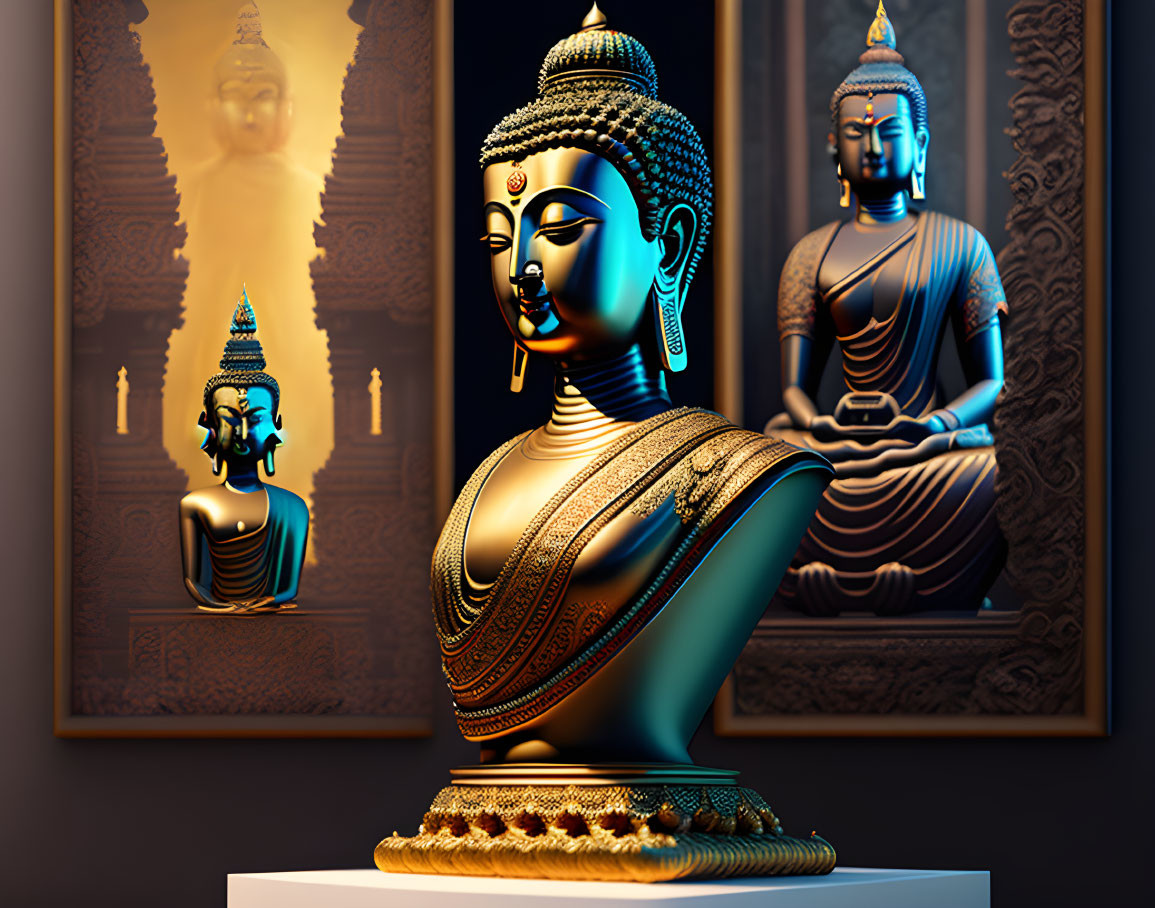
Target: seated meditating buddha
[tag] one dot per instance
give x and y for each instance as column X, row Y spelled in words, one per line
column 243, row 541
column 598, row 576
column 909, row 522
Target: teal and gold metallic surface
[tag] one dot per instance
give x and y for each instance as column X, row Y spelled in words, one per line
column 243, row 541
column 598, row 575
column 634, row 823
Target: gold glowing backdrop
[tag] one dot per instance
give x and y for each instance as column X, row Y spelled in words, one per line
column 249, row 108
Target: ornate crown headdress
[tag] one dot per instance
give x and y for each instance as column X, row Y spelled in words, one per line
column 243, row 362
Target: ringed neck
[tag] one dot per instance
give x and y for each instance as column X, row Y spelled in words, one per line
column 594, row 403
column 882, row 210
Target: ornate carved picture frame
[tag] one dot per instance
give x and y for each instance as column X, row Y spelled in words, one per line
column 133, row 656
column 1041, row 667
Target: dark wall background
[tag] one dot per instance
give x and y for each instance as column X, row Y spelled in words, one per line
column 127, row 823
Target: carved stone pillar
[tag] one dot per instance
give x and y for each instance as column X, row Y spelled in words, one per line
column 373, row 499
column 126, row 299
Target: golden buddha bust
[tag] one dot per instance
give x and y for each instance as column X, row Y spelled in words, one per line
column 598, row 576
column 243, row 541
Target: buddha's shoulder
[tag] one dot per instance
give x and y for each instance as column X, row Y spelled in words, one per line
column 818, row 238
column 487, row 466
column 724, row 468
column 953, row 229
column 801, row 268
column 734, row 450
column 285, row 499
column 210, row 497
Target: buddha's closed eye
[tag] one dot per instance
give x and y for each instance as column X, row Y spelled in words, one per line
column 497, row 242
column 565, row 232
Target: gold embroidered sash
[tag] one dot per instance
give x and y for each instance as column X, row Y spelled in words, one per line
column 508, row 659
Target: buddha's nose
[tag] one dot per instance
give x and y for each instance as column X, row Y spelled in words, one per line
column 873, row 142
column 530, row 281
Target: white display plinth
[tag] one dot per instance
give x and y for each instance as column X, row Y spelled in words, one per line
column 846, row 887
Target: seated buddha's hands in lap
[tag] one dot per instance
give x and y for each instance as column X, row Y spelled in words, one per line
column 900, row 428
column 908, row 428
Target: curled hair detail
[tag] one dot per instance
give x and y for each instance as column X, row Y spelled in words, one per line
column 884, row 78
column 598, row 92
column 242, row 380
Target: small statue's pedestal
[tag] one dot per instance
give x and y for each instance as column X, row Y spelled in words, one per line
column 846, row 887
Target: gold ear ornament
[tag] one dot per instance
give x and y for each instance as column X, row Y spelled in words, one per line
column 520, row 361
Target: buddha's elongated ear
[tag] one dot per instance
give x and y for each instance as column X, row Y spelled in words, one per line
column 271, row 444
column 210, row 439
column 211, row 444
column 679, row 231
column 918, row 172
column 678, row 241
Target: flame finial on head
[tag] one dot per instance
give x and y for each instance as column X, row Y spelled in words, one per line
column 249, row 56
column 249, row 25
column 881, row 42
column 595, row 18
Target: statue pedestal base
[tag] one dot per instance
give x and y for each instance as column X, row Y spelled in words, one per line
column 629, row 822
column 846, row 887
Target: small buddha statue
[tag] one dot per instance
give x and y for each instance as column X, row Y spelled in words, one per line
column 598, row 575
column 253, row 196
column 243, row 541
column 909, row 522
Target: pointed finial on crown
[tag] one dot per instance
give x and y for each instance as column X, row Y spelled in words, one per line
column 243, row 351
column 244, row 319
column 595, row 18
column 598, row 54
column 249, row 25
column 881, row 43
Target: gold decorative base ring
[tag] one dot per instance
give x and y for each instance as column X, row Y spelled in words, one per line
column 590, row 823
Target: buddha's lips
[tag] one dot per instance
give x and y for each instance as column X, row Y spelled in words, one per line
column 529, row 305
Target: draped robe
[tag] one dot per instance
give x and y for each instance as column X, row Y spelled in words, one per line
column 263, row 562
column 524, row 648
column 905, row 526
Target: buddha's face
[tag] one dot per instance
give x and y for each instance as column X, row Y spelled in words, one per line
column 571, row 268
column 878, row 148
column 251, row 115
column 244, row 421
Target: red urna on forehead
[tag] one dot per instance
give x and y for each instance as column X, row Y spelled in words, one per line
column 515, row 183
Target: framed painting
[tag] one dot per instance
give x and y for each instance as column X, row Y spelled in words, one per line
column 1016, row 101
column 207, row 152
